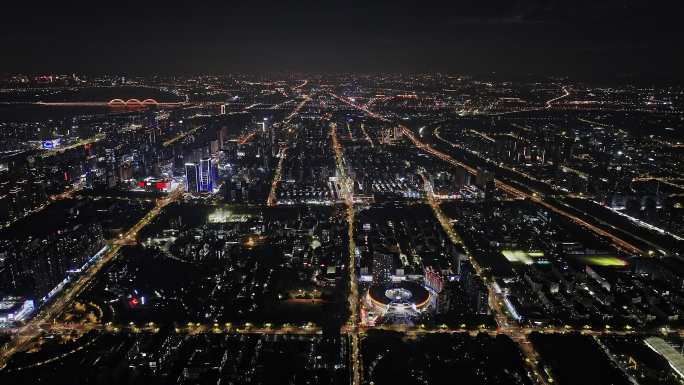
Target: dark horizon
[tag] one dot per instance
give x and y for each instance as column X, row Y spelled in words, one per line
column 582, row 40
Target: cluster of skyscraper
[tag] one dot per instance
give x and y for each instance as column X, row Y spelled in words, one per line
column 199, row 177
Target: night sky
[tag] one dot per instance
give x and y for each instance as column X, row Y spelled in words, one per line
column 585, row 38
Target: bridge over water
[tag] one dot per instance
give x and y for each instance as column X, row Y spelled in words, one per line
column 115, row 103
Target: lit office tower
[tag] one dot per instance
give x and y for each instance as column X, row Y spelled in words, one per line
column 192, row 177
column 206, row 176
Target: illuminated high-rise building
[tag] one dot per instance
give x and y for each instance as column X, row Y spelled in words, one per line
column 206, row 176
column 192, row 177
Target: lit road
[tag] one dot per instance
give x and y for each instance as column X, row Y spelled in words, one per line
column 434, row 152
column 365, row 134
column 151, row 328
column 277, row 176
column 32, row 330
column 304, row 83
column 670, row 181
column 566, row 93
column 250, row 328
column 361, row 108
column 247, row 137
column 191, row 328
column 347, row 189
column 180, row 136
column 594, row 123
column 483, row 136
column 66, row 194
column 297, row 109
column 349, row 132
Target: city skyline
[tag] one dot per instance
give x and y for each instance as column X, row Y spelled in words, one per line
column 342, row 193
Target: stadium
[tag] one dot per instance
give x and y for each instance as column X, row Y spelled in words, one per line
column 397, row 302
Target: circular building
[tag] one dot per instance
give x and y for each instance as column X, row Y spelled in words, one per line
column 407, row 294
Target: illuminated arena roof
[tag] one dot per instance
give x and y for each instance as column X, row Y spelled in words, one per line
column 404, row 292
